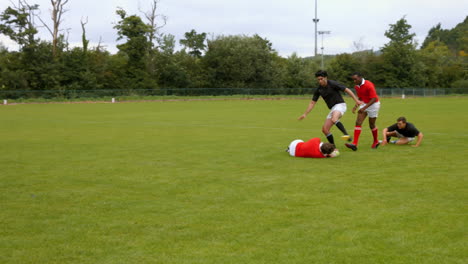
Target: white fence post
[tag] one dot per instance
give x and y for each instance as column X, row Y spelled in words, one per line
column 5, row 102
column 113, row 100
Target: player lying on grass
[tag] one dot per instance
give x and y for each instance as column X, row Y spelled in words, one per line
column 313, row 148
column 404, row 131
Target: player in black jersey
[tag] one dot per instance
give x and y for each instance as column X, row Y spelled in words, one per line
column 330, row 91
column 404, row 131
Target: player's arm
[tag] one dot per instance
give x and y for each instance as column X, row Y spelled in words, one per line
column 350, row 93
column 384, row 138
column 334, row 154
column 356, row 106
column 309, row 108
column 371, row 102
column 420, row 138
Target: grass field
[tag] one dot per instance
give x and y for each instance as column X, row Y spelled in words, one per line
column 209, row 182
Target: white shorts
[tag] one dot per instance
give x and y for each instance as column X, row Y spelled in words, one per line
column 292, row 147
column 373, row 110
column 338, row 107
column 410, row 139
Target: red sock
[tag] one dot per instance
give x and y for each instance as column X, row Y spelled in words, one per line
column 357, row 133
column 375, row 134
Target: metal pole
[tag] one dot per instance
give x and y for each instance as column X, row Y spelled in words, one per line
column 316, row 20
column 322, row 52
column 322, row 33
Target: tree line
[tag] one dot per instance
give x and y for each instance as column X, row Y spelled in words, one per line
column 147, row 59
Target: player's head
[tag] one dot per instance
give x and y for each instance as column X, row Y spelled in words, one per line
column 357, row 78
column 401, row 122
column 321, row 73
column 327, row 148
column 322, row 77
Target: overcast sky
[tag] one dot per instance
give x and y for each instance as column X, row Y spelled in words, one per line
column 287, row 24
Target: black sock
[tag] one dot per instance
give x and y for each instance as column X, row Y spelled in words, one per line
column 330, row 138
column 340, row 126
column 388, row 139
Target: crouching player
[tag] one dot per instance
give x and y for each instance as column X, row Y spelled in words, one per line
column 404, row 131
column 313, row 148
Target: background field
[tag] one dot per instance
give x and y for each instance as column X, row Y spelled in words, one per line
column 209, row 182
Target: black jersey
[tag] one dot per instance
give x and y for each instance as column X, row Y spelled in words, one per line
column 331, row 93
column 409, row 131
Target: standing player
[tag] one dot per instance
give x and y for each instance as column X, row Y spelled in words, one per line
column 404, row 131
column 312, row 149
column 365, row 90
column 330, row 92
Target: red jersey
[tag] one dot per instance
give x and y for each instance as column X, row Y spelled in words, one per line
column 309, row 149
column 366, row 91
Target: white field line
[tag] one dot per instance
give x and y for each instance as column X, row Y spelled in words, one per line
column 171, row 124
column 226, row 126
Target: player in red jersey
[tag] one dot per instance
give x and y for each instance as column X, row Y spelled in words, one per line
column 365, row 91
column 313, row 148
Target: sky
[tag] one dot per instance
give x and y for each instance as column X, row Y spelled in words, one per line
column 287, row 24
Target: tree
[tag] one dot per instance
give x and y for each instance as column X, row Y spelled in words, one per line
column 135, row 49
column 194, row 42
column 456, row 39
column 167, row 44
column 18, row 24
column 436, row 33
column 300, row 72
column 359, row 45
column 134, row 31
column 83, row 35
column 152, row 16
column 436, row 58
column 462, row 37
column 56, row 16
column 240, row 62
column 34, row 63
column 168, row 75
column 399, row 56
column 155, row 22
column 342, row 66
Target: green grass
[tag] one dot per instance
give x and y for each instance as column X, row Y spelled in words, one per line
column 209, row 182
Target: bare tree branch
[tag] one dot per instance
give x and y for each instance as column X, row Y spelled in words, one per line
column 153, row 17
column 99, row 46
column 83, row 36
column 359, row 45
column 56, row 14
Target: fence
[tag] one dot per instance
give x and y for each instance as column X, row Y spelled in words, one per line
column 103, row 93
column 422, row 92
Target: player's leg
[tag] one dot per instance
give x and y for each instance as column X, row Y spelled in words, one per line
column 373, row 112
column 358, row 128
column 341, row 127
column 402, row 141
column 389, row 136
column 326, row 130
column 374, row 130
column 336, row 113
column 333, row 116
column 292, row 147
column 357, row 131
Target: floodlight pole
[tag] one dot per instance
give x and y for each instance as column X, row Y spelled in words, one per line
column 316, row 20
column 322, row 33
